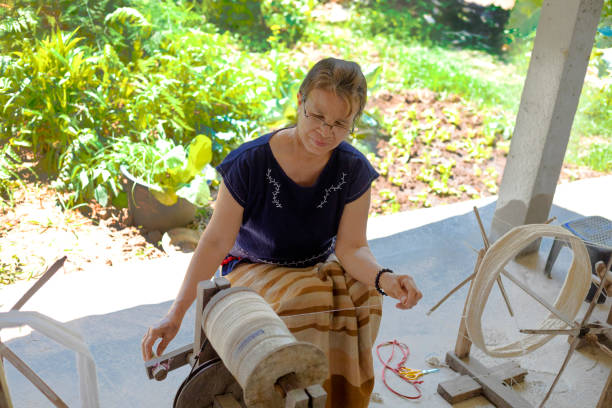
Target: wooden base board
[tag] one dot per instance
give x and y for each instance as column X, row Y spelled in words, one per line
column 491, row 382
column 459, row 389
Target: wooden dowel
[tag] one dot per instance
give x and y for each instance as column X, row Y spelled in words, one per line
column 482, row 230
column 605, row 400
column 31, row 375
column 456, row 288
column 464, row 343
column 5, row 397
column 41, row 281
column 504, row 295
column 485, row 240
column 539, row 299
column 569, row 332
column 567, row 358
column 605, row 349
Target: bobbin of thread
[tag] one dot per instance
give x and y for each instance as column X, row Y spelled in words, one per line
column 257, row 347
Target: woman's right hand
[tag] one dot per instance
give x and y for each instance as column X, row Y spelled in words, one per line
column 165, row 330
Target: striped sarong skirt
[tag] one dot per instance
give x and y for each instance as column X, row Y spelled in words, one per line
column 327, row 307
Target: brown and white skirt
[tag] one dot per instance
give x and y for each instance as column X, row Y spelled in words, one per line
column 303, row 297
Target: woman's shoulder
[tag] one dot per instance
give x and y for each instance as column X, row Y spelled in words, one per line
column 348, row 152
column 249, row 149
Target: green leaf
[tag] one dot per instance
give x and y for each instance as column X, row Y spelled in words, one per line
column 197, row 191
column 200, row 153
column 84, row 179
column 101, row 195
column 372, row 77
column 166, row 198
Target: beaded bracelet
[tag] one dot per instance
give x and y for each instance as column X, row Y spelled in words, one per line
column 377, row 281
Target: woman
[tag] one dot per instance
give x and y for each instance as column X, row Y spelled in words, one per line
column 290, row 222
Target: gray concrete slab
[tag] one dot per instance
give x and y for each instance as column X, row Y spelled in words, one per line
column 112, row 307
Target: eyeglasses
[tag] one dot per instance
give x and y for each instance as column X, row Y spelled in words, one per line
column 337, row 130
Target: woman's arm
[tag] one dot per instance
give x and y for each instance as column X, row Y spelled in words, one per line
column 357, row 259
column 216, row 241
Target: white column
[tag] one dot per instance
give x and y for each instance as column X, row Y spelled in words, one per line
column 562, row 46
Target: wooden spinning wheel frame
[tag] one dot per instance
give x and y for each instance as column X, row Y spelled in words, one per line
column 480, row 379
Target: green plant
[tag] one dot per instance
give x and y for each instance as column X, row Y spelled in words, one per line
column 243, row 17
column 286, row 19
column 11, row 270
column 172, row 170
column 10, row 180
column 44, row 104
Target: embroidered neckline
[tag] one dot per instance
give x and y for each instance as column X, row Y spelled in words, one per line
column 332, row 188
column 282, row 171
column 276, row 191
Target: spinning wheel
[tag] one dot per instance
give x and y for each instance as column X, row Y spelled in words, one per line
column 490, row 266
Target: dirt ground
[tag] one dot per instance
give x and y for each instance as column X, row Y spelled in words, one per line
column 37, row 231
column 471, row 177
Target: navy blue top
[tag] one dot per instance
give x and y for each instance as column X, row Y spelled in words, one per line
column 284, row 223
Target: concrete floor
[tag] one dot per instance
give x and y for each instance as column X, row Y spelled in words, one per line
column 112, row 307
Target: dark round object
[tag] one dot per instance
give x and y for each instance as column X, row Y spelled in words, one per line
column 208, row 380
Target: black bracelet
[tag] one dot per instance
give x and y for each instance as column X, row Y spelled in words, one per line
column 377, row 281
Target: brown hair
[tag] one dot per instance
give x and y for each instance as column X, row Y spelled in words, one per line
column 344, row 78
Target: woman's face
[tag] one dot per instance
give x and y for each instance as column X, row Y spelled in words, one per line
column 324, row 121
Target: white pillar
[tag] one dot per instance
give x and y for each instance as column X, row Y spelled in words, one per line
column 561, row 50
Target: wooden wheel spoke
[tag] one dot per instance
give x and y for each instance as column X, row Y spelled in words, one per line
column 540, row 300
column 28, row 373
column 567, row 358
column 569, row 332
column 505, row 296
column 456, row 288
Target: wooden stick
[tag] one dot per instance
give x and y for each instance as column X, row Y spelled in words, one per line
column 567, row 358
column 540, row 300
column 464, row 344
column 605, row 349
column 504, row 295
column 41, row 281
column 485, row 239
column 456, row 288
column 576, row 340
column 569, row 332
column 548, row 221
column 606, row 395
column 205, row 290
column 5, row 396
column 31, row 375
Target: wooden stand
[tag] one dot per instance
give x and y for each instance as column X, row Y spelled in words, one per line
column 200, row 353
column 478, row 379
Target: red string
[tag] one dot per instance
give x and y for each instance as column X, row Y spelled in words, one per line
column 405, row 352
column 229, row 259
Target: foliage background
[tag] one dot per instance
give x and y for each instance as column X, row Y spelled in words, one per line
column 88, row 86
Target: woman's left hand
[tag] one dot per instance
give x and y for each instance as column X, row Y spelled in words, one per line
column 402, row 288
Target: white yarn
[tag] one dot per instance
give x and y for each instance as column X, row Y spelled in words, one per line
column 59, row 332
column 568, row 302
column 256, row 346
